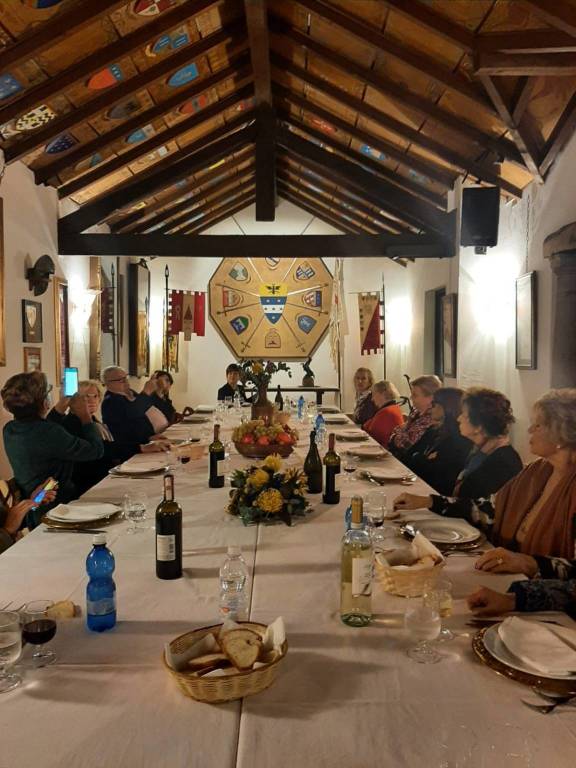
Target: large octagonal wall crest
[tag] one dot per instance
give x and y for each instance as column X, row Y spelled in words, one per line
column 278, row 309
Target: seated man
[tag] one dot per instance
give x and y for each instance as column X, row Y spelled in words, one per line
column 233, row 385
column 130, row 417
column 162, row 401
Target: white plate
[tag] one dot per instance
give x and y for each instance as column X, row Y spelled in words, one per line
column 351, row 434
column 385, row 474
column 328, row 409
column 336, row 418
column 136, row 470
column 368, row 452
column 81, row 513
column 447, row 531
column 498, row 650
column 205, row 408
column 195, row 419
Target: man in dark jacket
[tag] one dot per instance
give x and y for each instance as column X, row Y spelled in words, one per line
column 130, row 417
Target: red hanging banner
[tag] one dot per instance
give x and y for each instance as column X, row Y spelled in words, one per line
column 175, row 312
column 199, row 313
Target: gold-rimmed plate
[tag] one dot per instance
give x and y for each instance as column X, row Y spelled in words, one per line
column 115, row 472
column 75, row 526
column 567, row 687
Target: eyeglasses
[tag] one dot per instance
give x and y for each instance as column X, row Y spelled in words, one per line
column 123, row 380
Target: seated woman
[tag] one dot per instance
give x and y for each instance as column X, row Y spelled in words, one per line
column 364, row 408
column 12, row 513
column 388, row 414
column 485, row 419
column 88, row 473
column 440, row 454
column 37, row 448
column 233, row 385
column 407, row 434
column 535, row 514
column 536, row 595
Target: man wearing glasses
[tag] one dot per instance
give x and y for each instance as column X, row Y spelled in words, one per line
column 130, row 417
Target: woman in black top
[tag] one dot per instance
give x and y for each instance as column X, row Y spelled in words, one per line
column 485, row 419
column 441, row 453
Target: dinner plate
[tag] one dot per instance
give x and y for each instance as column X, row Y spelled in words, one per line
column 195, row 419
column 328, row 409
column 368, row 451
column 118, row 472
column 336, row 418
column 351, row 434
column 500, row 652
column 448, row 531
column 386, row 474
column 81, row 513
column 205, row 408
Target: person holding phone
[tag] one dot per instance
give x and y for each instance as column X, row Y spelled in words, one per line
column 12, row 514
column 129, row 415
column 38, row 448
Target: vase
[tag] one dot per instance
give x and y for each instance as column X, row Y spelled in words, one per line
column 263, row 408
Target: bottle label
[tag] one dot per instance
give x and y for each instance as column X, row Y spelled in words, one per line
column 337, row 481
column 220, row 467
column 101, row 607
column 165, row 547
column 361, row 576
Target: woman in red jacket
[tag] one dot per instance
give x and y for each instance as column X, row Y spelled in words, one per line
column 388, row 416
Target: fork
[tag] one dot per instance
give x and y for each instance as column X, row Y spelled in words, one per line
column 8, row 604
column 546, row 709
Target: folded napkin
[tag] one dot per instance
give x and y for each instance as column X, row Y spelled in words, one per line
column 419, row 555
column 179, row 661
column 546, row 648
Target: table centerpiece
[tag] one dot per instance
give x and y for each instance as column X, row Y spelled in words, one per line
column 256, row 439
column 263, row 493
column 259, row 373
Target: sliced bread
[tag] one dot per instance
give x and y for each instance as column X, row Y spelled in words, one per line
column 242, row 647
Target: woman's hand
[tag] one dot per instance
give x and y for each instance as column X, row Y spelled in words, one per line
column 188, row 411
column 501, row 560
column 16, row 514
column 486, row 602
column 412, row 501
column 62, row 405
column 150, row 386
column 159, row 446
column 48, row 496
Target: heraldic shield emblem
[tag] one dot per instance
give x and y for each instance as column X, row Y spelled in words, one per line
column 273, row 300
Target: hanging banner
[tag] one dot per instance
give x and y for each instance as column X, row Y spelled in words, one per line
column 172, row 360
column 176, row 299
column 188, row 315
column 199, row 313
column 107, row 310
column 369, row 316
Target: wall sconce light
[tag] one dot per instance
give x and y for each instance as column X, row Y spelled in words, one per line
column 82, row 301
column 399, row 321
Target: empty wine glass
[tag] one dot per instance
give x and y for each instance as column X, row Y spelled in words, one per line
column 38, row 629
column 135, row 507
column 10, row 648
column 423, row 624
column 439, row 597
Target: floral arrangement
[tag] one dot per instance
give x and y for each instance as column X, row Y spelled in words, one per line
column 259, row 372
column 263, row 493
column 256, row 432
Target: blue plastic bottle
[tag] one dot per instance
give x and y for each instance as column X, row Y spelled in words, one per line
column 101, row 589
column 320, row 426
column 301, row 407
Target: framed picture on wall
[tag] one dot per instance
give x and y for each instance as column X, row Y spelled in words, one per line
column 138, row 315
column 31, row 322
column 449, row 334
column 526, row 306
column 32, row 359
column 61, row 327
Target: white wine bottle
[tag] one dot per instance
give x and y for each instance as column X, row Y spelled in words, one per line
column 356, row 574
column 169, row 534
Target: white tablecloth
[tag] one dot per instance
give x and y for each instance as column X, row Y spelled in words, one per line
column 345, row 698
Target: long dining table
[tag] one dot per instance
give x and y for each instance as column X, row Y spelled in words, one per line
column 344, row 697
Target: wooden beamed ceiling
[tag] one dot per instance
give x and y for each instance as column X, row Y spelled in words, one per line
column 162, row 117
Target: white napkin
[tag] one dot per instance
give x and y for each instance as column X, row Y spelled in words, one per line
column 178, row 661
column 407, row 557
column 157, row 419
column 548, row 649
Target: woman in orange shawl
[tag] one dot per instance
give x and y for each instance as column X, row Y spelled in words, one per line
column 535, row 515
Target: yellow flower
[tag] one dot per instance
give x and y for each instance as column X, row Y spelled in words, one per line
column 270, row 501
column 258, row 478
column 257, row 368
column 273, row 462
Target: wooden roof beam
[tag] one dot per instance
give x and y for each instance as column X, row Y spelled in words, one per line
column 45, row 35
column 563, row 130
column 558, row 13
column 521, row 97
column 85, row 112
column 526, row 41
column 213, row 220
column 192, row 218
column 387, row 44
column 424, row 107
column 101, row 58
column 143, row 148
column 97, row 211
column 436, row 22
column 323, row 215
column 525, row 64
column 401, row 129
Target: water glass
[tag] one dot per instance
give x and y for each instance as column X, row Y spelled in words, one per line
column 135, row 507
column 10, row 649
column 38, row 629
column 439, row 597
column 376, row 508
column 422, row 622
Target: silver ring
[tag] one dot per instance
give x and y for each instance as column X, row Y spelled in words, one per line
column 500, row 561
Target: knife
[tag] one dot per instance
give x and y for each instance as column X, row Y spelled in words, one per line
column 73, row 530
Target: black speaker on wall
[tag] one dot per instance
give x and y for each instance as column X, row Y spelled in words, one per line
column 480, row 215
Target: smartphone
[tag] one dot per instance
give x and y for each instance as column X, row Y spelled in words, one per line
column 70, row 386
column 50, row 485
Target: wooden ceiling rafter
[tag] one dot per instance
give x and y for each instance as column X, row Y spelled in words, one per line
column 112, row 96
column 409, row 56
column 435, row 22
column 525, row 64
column 386, row 86
column 561, row 133
column 318, row 213
column 139, row 188
column 464, row 164
column 125, row 222
column 144, row 148
column 526, row 41
column 222, row 213
column 241, row 195
column 101, row 58
column 557, row 13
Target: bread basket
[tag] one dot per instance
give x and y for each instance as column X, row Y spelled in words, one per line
column 406, row 581
column 217, row 690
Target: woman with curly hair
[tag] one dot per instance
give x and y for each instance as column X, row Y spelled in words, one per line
column 485, row 420
column 406, row 435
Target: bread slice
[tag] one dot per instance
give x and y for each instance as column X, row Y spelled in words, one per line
column 207, row 660
column 63, row 609
column 242, row 647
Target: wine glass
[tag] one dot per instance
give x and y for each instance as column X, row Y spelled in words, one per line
column 38, row 629
column 423, row 624
column 439, row 597
column 10, row 648
column 135, row 507
column 350, row 465
column 377, row 507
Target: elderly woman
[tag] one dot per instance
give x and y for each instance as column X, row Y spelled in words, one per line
column 37, row 448
column 409, row 433
column 89, row 473
column 388, row 414
column 485, row 420
column 364, row 408
column 535, row 595
column 535, row 514
column 441, row 453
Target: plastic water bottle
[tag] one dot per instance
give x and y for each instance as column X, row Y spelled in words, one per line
column 320, row 427
column 101, row 589
column 233, row 580
column 237, row 404
column 301, row 407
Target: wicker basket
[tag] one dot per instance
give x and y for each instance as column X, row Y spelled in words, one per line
column 217, row 690
column 407, row 582
column 254, row 451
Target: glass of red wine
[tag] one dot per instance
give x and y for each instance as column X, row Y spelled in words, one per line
column 38, row 629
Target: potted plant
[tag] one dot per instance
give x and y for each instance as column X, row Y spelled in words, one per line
column 259, row 372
